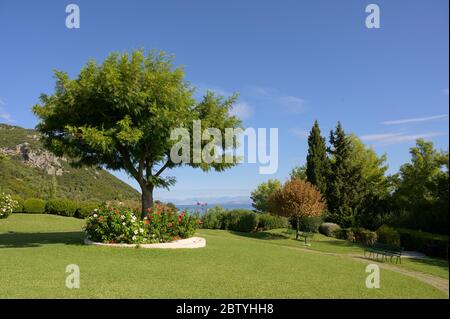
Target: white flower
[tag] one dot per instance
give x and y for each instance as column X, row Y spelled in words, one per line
column 123, row 223
column 95, row 215
column 135, row 232
column 134, row 237
column 141, row 230
column 122, row 216
column 96, row 210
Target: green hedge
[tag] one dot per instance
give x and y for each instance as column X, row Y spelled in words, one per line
column 268, row 221
column 330, row 229
column 18, row 208
column 212, row 219
column 241, row 220
column 307, row 224
column 388, row 236
column 433, row 245
column 358, row 235
column 34, row 206
column 61, row 206
column 86, row 208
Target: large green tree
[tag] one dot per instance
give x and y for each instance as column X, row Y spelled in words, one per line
column 423, row 188
column 317, row 162
column 376, row 187
column 120, row 115
column 345, row 185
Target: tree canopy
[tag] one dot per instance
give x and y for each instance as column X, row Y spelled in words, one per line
column 120, row 115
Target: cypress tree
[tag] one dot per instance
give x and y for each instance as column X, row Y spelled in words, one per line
column 345, row 189
column 317, row 162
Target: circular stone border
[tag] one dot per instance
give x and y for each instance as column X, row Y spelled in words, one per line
column 189, row 243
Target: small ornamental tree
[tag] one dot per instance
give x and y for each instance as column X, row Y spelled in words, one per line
column 262, row 193
column 297, row 199
column 121, row 115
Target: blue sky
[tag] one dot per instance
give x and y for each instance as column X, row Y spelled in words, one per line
column 292, row 62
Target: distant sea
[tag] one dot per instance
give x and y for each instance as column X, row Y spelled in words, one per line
column 202, row 209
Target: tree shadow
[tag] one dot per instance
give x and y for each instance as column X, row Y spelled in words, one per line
column 436, row 262
column 261, row 235
column 26, row 240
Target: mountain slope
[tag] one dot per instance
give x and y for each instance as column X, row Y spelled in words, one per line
column 28, row 170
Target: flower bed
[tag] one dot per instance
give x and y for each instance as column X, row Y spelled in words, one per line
column 119, row 225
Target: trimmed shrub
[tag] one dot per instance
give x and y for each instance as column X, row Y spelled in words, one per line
column 329, row 229
column 433, row 245
column 247, row 222
column 34, row 206
column 18, row 207
column 212, row 219
column 309, row 224
column 364, row 236
column 86, row 208
column 61, row 206
column 268, row 221
column 345, row 233
column 389, row 236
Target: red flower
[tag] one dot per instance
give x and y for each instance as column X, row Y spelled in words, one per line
column 179, row 218
column 149, row 209
column 146, row 222
column 158, row 213
column 169, row 224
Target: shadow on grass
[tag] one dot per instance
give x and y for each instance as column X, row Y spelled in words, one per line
column 436, row 262
column 261, row 235
column 25, row 240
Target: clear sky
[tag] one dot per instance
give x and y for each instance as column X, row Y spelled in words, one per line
column 292, row 62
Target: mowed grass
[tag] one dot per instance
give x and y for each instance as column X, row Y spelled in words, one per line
column 35, row 250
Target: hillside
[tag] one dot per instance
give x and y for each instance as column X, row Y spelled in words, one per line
column 28, row 170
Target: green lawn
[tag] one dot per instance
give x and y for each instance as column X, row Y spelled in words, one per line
column 35, row 249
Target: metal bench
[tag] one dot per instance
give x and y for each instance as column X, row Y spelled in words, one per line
column 384, row 251
column 306, row 236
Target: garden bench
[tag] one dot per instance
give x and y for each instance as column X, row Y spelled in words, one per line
column 306, row 236
column 376, row 250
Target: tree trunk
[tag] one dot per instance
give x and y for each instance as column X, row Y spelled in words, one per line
column 298, row 225
column 147, row 199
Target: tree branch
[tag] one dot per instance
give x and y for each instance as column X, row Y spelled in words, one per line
column 163, row 168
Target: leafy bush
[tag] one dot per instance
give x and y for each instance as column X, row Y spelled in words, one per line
column 241, row 220
column 308, row 224
column 165, row 225
column 110, row 224
column 6, row 205
column 389, row 236
column 345, row 233
column 433, row 245
column 212, row 219
column 18, row 207
column 329, row 229
column 61, row 206
column 86, row 208
column 268, row 221
column 34, row 206
column 247, row 222
column 364, row 236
